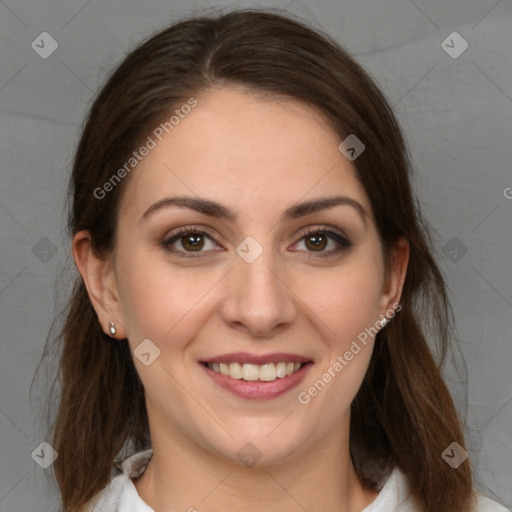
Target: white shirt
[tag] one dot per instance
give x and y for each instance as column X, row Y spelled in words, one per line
column 120, row 495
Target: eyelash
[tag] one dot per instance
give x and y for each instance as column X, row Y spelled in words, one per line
column 342, row 242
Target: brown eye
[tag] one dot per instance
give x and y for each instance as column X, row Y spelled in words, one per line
column 192, row 242
column 187, row 241
column 324, row 242
column 316, row 242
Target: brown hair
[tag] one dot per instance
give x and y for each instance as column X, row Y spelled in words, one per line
column 403, row 414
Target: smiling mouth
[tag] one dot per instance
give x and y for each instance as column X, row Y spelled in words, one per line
column 254, row 372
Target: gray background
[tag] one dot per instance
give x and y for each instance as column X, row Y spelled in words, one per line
column 456, row 115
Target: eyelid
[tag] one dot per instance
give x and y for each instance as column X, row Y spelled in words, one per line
column 323, row 229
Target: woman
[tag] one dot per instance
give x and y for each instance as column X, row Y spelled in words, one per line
column 249, row 328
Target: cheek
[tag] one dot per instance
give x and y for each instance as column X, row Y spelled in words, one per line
column 347, row 299
column 160, row 301
column 151, row 299
column 346, row 305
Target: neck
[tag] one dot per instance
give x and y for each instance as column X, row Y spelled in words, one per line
column 182, row 476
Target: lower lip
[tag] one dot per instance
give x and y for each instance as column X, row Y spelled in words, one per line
column 256, row 389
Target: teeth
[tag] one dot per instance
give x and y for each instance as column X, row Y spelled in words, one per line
column 281, row 370
column 250, row 372
column 265, row 372
column 235, row 371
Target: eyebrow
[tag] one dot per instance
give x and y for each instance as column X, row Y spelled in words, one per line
column 214, row 209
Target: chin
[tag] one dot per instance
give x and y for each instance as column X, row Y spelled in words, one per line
column 262, row 443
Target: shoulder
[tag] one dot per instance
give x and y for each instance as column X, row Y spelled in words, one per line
column 487, row 505
column 120, row 495
column 395, row 496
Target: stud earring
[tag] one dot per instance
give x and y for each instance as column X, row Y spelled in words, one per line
column 112, row 328
column 383, row 322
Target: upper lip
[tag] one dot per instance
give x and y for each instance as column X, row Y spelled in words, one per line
column 247, row 358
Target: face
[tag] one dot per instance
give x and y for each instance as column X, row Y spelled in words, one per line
column 254, row 278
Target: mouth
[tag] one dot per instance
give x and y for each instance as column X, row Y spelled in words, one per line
column 257, row 377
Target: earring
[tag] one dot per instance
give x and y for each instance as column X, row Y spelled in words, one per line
column 383, row 322
column 112, row 328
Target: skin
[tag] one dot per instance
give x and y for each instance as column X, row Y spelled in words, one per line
column 256, row 157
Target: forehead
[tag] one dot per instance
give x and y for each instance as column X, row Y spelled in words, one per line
column 250, row 152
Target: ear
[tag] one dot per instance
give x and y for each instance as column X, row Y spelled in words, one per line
column 99, row 278
column 394, row 282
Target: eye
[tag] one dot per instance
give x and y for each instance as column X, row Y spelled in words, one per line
column 318, row 240
column 186, row 241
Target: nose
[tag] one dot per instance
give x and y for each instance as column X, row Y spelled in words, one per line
column 258, row 300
